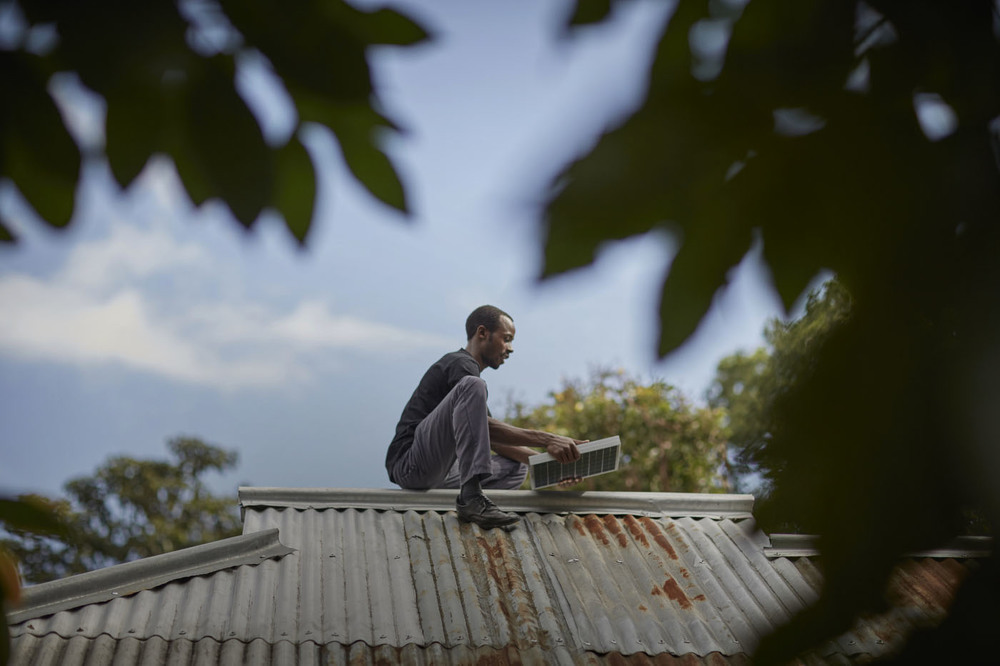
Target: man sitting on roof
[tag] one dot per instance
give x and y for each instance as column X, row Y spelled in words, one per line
column 445, row 434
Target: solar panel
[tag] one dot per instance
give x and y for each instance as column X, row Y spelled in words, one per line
column 599, row 457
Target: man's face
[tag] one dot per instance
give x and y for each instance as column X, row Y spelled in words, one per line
column 499, row 344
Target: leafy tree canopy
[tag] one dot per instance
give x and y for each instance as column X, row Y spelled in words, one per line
column 748, row 385
column 856, row 137
column 129, row 509
column 166, row 73
column 667, row 443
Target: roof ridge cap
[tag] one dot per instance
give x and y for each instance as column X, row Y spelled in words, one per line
column 146, row 573
column 695, row 505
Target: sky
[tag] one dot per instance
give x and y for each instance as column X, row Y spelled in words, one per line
column 150, row 318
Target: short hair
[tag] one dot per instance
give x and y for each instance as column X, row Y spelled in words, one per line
column 484, row 315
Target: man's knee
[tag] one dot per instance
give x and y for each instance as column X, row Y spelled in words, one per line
column 470, row 391
column 472, row 386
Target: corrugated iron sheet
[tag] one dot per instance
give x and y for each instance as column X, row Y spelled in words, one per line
column 125, row 579
column 405, row 586
column 32, row 651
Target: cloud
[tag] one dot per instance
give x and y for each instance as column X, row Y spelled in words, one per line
column 309, row 326
column 115, row 301
column 128, row 253
column 59, row 323
column 312, row 323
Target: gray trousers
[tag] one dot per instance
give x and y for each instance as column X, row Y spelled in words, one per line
column 452, row 446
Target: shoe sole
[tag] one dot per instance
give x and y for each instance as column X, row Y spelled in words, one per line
column 489, row 524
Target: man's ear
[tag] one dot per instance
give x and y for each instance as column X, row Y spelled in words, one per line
column 482, row 332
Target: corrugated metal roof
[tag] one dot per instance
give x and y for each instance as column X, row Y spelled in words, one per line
column 125, row 579
column 104, row 649
column 390, row 583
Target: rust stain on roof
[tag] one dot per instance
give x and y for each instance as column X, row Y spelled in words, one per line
column 676, row 535
column 636, row 530
column 514, row 600
column 596, row 528
column 658, row 536
column 673, row 591
column 496, row 570
column 578, row 525
column 616, row 529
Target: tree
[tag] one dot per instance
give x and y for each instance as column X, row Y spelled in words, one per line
column 667, row 444
column 853, row 136
column 166, row 73
column 129, row 509
column 860, row 138
column 748, row 386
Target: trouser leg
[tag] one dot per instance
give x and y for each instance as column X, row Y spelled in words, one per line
column 505, row 474
column 456, row 433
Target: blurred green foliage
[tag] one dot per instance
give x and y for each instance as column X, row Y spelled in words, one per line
column 126, row 510
column 747, row 386
column 859, row 138
column 37, row 516
column 165, row 71
column 668, row 444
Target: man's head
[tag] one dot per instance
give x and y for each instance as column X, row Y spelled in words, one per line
column 490, row 332
column 485, row 315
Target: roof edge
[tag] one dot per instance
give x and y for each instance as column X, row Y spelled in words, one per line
column 695, row 505
column 807, row 545
column 121, row 580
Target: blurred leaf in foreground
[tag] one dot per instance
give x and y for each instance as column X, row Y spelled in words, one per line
column 859, row 138
column 166, row 73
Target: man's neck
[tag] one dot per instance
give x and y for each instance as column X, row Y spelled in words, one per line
column 469, row 348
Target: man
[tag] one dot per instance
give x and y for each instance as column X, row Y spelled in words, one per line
column 445, row 434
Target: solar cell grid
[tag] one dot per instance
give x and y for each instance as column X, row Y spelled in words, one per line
column 598, row 457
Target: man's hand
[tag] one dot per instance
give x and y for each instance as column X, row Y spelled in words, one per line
column 564, row 449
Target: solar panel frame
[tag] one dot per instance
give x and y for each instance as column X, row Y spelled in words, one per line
column 598, row 457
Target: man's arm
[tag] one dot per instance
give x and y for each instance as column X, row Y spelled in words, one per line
column 513, row 442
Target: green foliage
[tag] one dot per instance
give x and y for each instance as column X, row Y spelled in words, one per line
column 806, row 132
column 767, row 138
column 31, row 512
column 742, row 388
column 667, row 443
column 126, row 510
column 32, row 515
column 748, row 386
column 165, row 71
column 590, row 11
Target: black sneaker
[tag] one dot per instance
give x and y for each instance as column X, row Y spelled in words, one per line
column 481, row 511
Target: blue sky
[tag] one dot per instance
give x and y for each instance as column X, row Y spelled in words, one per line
column 150, row 318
